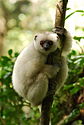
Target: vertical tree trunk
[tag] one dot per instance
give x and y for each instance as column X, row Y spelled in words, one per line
column 47, row 102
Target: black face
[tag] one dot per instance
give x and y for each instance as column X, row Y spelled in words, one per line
column 46, row 44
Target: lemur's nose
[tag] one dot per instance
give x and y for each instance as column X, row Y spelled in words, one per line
column 47, row 44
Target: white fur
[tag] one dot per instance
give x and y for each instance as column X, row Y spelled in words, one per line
column 67, row 44
column 31, row 74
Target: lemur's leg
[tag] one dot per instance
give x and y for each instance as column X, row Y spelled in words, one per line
column 38, row 90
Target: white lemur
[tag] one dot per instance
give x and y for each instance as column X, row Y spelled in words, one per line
column 31, row 74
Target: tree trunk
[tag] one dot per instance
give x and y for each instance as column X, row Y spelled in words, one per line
column 47, row 102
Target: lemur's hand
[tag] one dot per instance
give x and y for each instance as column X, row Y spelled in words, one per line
column 59, row 30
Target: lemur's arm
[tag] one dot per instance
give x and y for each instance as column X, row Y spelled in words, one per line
column 66, row 43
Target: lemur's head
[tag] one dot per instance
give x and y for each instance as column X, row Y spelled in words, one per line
column 46, row 42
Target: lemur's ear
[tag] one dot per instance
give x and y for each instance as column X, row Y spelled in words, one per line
column 35, row 37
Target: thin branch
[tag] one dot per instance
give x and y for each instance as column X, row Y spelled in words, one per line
column 47, row 102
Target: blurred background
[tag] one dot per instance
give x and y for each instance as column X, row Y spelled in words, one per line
column 20, row 20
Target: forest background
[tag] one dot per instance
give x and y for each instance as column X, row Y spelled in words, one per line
column 20, row 20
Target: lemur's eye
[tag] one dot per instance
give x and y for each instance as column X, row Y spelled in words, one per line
column 42, row 42
column 50, row 42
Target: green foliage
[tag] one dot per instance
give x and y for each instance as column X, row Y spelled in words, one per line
column 76, row 64
column 10, row 103
column 77, row 11
column 64, row 107
column 23, row 18
column 78, row 38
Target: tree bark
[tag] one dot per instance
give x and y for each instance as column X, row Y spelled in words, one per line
column 52, row 58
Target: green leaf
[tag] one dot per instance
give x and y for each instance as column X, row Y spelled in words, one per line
column 16, row 54
column 73, row 52
column 81, row 82
column 10, row 52
column 81, row 11
column 5, row 58
column 66, row 87
column 68, row 9
column 75, row 90
column 78, row 37
column 81, row 105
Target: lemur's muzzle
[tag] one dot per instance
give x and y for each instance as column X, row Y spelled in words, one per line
column 47, row 45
